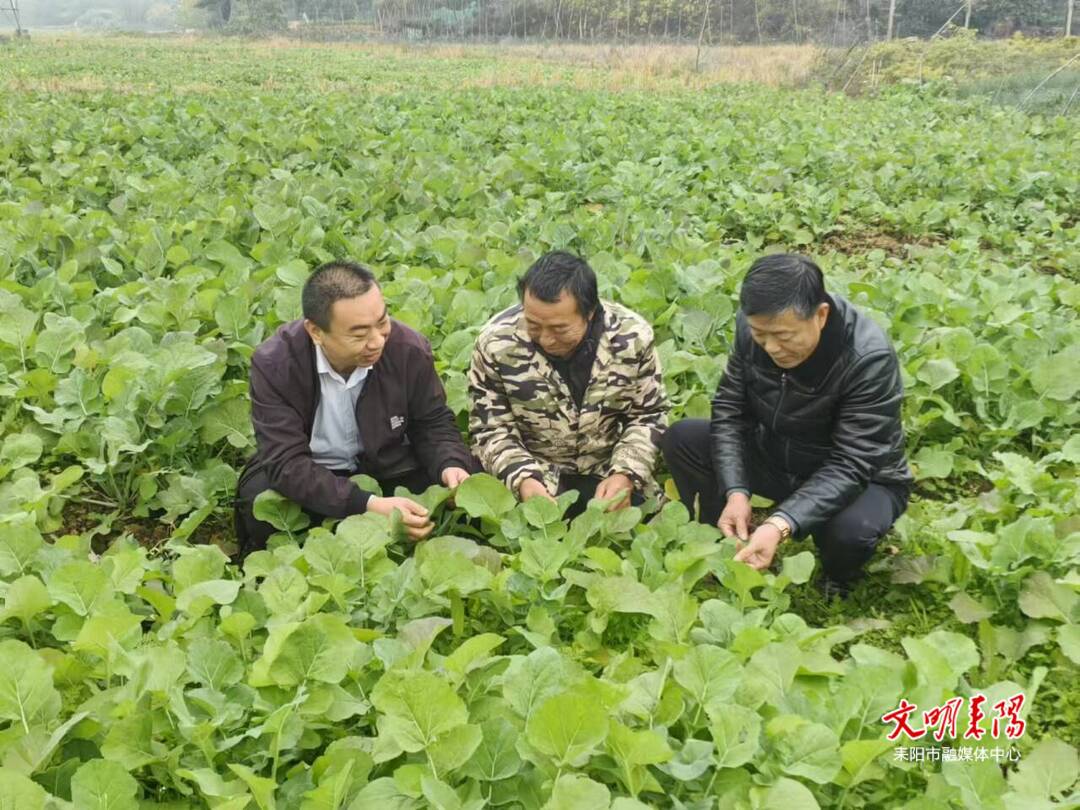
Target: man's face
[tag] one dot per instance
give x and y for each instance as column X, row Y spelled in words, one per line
column 557, row 328
column 358, row 331
column 788, row 339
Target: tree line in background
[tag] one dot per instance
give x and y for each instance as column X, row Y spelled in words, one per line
column 831, row 22
column 716, row 21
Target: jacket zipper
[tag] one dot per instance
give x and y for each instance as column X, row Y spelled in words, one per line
column 776, row 415
column 780, row 400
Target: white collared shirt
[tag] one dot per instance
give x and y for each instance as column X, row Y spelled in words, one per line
column 335, row 437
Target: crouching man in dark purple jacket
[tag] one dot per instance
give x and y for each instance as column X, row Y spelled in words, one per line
column 347, row 390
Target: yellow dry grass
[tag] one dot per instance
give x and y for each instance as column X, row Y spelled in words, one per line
column 580, row 65
column 613, row 65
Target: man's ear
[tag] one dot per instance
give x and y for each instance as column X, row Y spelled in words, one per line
column 822, row 313
column 313, row 330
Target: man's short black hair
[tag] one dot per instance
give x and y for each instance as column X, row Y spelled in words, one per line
column 557, row 271
column 782, row 281
column 332, row 282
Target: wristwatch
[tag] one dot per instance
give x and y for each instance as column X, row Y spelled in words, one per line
column 781, row 526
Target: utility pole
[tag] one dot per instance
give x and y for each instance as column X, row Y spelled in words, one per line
column 1068, row 17
column 12, row 7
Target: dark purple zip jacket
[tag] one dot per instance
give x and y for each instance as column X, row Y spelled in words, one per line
column 402, row 415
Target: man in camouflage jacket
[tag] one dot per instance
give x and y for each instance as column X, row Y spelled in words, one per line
column 566, row 391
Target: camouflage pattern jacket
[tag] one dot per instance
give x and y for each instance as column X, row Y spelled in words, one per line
column 523, row 419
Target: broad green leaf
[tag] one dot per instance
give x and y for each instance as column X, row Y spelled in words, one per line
column 709, row 674
column 453, row 749
column 439, row 795
column 214, row 663
column 17, row 792
column 321, row 649
column 968, row 610
column 1042, row 598
column 771, row 670
column 736, row 731
column 213, row 784
column 129, row 741
column 804, row 748
column 1050, row 769
column 637, row 747
column 496, row 757
column 620, row 595
column 540, row 512
column 332, row 791
column 574, row 791
column 799, row 567
column 20, row 449
column 17, row 322
column 283, row 590
column 1058, row 376
column 981, row 784
column 125, row 568
column 198, row 598
column 568, row 727
column 483, row 496
column 280, row 512
column 941, row 657
column 233, row 314
column 933, row 462
column 451, row 564
column 347, row 754
column 1068, row 637
column 472, row 653
column 198, row 564
column 418, row 707
column 431, row 498
column 20, row 541
column 229, row 420
column 532, row 679
column 103, row 785
column 263, row 790
column 385, row 795
column 369, row 531
column 108, row 632
column 26, row 597
column 937, row 372
column 784, row 794
column 27, row 695
column 691, row 761
column 860, row 759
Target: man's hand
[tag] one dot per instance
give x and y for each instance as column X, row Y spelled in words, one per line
column 761, row 549
column 453, row 476
column 614, row 485
column 735, row 519
column 413, row 515
column 531, row 488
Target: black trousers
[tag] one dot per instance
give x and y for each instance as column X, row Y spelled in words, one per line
column 252, row 533
column 845, row 542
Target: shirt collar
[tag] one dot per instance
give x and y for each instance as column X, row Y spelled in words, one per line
column 323, row 366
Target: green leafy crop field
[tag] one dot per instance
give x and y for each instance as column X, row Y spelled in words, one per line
column 158, row 215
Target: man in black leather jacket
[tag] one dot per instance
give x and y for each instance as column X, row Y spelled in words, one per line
column 807, row 414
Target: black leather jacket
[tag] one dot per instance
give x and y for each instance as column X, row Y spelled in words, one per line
column 828, row 427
